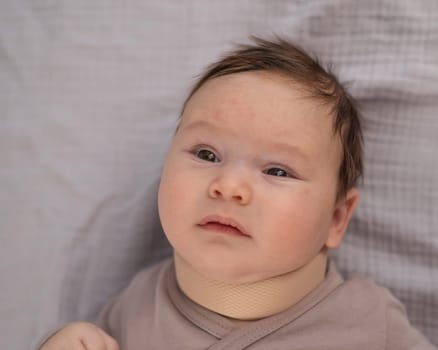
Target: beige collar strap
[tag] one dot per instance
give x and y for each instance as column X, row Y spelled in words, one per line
column 250, row 301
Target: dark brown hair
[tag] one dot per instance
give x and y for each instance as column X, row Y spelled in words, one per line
column 283, row 57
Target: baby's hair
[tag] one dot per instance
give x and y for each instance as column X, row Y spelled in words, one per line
column 283, row 57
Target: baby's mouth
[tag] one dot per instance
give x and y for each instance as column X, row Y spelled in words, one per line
column 223, row 225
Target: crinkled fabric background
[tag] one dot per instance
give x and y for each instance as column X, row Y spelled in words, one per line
column 89, row 96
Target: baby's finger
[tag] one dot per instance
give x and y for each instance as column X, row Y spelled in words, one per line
column 93, row 338
column 110, row 342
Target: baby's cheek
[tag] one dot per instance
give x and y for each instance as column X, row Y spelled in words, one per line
column 167, row 201
column 295, row 232
column 173, row 197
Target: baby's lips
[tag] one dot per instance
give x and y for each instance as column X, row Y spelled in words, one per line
column 224, row 221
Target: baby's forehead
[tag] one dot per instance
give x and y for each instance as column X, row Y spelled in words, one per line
column 267, row 96
column 262, row 77
column 228, row 88
column 272, row 83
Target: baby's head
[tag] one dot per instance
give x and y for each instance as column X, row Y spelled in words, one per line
column 281, row 57
column 261, row 174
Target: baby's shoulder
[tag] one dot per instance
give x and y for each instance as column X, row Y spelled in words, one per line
column 371, row 306
column 147, row 282
column 366, row 293
column 379, row 310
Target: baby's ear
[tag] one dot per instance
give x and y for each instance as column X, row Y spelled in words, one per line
column 341, row 217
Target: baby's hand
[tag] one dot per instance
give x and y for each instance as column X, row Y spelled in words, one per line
column 80, row 336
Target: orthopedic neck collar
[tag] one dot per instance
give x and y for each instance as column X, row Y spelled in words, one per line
column 254, row 300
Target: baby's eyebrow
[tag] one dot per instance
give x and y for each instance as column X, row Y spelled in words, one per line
column 289, row 149
column 201, row 124
column 275, row 146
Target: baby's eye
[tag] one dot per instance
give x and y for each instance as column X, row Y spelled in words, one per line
column 277, row 172
column 207, row 155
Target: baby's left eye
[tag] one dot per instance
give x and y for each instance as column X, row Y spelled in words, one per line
column 277, row 172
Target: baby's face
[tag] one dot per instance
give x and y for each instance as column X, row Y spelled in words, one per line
column 249, row 185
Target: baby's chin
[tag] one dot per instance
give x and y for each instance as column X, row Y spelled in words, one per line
column 231, row 275
column 230, row 270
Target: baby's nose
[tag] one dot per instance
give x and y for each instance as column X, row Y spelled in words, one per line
column 231, row 188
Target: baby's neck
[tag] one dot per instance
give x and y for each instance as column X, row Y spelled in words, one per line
column 254, row 300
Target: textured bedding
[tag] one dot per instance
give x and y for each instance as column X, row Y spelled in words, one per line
column 89, row 96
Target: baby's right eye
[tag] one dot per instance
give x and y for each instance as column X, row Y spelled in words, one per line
column 207, row 155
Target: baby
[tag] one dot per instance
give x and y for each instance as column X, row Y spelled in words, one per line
column 259, row 183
